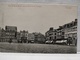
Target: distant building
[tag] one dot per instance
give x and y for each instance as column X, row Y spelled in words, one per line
column 39, row 38
column 18, row 36
column 3, row 35
column 49, row 34
column 36, row 36
column 23, row 36
column 0, row 32
column 23, row 33
column 11, row 32
column 31, row 37
column 11, row 28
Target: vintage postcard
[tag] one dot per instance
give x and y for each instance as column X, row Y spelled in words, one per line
column 38, row 28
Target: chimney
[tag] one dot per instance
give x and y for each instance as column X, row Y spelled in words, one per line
column 51, row 29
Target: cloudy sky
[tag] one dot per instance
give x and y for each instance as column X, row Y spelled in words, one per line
column 37, row 17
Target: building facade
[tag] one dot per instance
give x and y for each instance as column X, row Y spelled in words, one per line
column 11, row 33
column 50, row 34
column 0, row 32
column 3, row 35
column 23, row 36
column 70, row 30
column 63, row 32
column 53, row 34
column 39, row 38
column 31, row 37
column 60, row 33
column 23, row 33
column 18, row 36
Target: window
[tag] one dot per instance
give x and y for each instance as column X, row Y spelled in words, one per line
column 55, row 33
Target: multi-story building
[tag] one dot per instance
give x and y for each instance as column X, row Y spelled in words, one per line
column 39, row 38
column 31, row 37
column 23, row 35
column 54, row 34
column 36, row 36
column 0, row 32
column 18, row 36
column 70, row 30
column 11, row 33
column 3, row 35
column 63, row 32
column 50, row 34
column 60, row 33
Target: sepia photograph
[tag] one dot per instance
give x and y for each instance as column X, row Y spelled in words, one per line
column 38, row 28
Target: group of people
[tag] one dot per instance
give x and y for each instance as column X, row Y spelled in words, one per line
column 70, row 41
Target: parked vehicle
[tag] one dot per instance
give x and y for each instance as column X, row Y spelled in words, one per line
column 62, row 42
column 49, row 42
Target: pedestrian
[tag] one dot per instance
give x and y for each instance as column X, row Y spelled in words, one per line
column 69, row 40
column 10, row 40
column 75, row 42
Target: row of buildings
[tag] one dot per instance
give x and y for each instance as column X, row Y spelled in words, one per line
column 63, row 32
column 11, row 33
column 25, row 36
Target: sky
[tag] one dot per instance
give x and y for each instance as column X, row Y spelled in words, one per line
column 37, row 17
